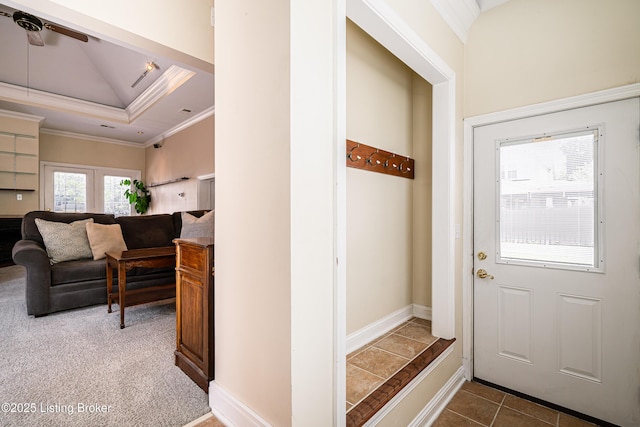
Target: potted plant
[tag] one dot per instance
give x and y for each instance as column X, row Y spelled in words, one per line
column 137, row 194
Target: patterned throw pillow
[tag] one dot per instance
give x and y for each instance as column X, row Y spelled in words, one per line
column 65, row 242
column 197, row 227
column 105, row 238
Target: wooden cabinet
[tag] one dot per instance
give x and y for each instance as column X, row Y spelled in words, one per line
column 194, row 309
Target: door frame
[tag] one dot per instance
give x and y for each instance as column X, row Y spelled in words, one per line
column 594, row 98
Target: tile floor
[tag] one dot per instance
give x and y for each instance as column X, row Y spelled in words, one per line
column 478, row 405
column 373, row 364
column 208, row 420
column 473, row 405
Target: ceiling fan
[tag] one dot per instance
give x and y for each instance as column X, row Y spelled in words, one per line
column 33, row 25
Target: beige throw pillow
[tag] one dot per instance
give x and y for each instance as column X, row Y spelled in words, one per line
column 197, row 227
column 105, row 238
column 65, row 242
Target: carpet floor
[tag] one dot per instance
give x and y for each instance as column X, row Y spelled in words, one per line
column 78, row 368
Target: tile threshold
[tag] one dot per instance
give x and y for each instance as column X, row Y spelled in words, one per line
column 372, row 403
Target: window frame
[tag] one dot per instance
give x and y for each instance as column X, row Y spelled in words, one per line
column 95, row 192
column 598, row 220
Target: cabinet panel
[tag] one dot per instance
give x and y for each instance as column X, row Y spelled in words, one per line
column 191, row 297
column 26, row 164
column 194, row 352
column 194, row 258
column 7, row 162
column 18, row 161
column 27, row 146
column 26, row 181
column 7, row 180
column 7, row 143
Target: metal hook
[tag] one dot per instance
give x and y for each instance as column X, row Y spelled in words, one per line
column 350, row 155
column 378, row 162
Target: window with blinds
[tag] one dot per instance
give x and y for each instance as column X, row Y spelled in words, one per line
column 548, row 196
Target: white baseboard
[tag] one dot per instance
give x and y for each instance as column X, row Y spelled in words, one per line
column 422, row 312
column 230, row 411
column 380, row 327
column 434, row 408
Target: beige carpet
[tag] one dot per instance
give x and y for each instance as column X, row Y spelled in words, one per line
column 78, row 368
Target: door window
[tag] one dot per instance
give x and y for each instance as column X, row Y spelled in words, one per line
column 548, row 201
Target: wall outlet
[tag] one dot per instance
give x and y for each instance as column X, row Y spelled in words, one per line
column 19, row 196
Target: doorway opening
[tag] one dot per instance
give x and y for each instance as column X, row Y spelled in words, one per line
column 391, row 32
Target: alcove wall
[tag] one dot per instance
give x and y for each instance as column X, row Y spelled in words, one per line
column 388, row 217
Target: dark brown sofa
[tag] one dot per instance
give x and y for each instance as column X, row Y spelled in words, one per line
column 72, row 284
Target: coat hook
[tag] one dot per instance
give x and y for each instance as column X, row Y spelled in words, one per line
column 350, row 155
column 369, row 159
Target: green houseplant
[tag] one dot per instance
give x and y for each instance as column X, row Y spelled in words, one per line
column 137, row 194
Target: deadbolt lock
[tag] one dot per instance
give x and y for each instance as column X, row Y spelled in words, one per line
column 482, row 273
column 482, row 256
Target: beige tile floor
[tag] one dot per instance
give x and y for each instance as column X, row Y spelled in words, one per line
column 473, row 405
column 478, row 405
column 208, row 420
column 376, row 362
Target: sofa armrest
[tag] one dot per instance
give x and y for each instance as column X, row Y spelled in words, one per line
column 33, row 256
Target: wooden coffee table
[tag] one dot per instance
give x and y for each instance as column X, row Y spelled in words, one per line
column 124, row 261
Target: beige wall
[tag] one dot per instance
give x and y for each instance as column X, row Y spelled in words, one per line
column 253, row 254
column 275, row 160
column 85, row 151
column 531, row 51
column 164, row 21
column 9, row 205
column 422, row 101
column 388, row 107
column 276, row 127
column 188, row 153
column 427, row 23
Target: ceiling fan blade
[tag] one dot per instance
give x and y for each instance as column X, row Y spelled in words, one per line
column 35, row 39
column 67, row 32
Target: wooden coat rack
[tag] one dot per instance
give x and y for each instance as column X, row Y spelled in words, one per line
column 361, row 156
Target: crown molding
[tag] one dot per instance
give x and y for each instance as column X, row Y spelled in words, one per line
column 90, row 137
column 21, row 116
column 52, row 101
column 169, row 81
column 182, row 126
column 459, row 14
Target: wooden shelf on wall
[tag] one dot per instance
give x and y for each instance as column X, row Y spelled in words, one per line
column 361, row 156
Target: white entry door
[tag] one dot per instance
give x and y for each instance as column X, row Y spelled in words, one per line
column 557, row 258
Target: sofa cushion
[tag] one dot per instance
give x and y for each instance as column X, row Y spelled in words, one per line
column 147, row 231
column 105, row 238
column 78, row 271
column 177, row 219
column 197, row 227
column 30, row 230
column 65, row 242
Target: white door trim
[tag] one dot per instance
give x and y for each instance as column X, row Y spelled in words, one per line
column 384, row 25
column 609, row 95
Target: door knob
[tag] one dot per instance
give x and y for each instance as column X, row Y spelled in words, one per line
column 482, row 273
